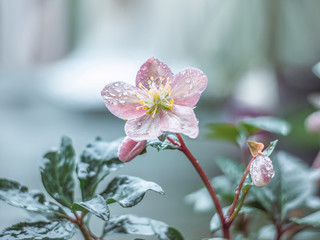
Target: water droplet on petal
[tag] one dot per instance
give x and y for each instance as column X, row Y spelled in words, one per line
column 139, row 124
column 122, row 101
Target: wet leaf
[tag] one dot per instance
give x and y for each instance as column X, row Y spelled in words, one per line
column 97, row 160
column 224, row 131
column 215, row 223
column 130, row 224
column 270, row 124
column 57, row 168
column 290, row 187
column 312, row 220
column 230, row 168
column 129, row 191
column 201, row 200
column 163, row 143
column 267, row 152
column 55, row 230
column 96, row 205
column 18, row 195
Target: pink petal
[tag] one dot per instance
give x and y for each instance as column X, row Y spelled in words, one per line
column 180, row 120
column 187, row 87
column 143, row 128
column 121, row 100
column 129, row 149
column 155, row 69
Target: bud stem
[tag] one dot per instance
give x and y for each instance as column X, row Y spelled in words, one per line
column 236, row 198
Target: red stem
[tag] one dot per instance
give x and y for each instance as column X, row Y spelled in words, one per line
column 79, row 221
column 236, row 198
column 183, row 148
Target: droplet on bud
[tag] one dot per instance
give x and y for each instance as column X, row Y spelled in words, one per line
column 261, row 171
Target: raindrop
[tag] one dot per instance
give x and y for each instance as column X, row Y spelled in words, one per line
column 122, row 101
column 139, row 124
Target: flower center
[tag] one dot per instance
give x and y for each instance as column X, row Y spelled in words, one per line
column 157, row 97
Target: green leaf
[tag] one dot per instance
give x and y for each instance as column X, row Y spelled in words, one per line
column 270, row 124
column 215, row 223
column 267, row 152
column 129, row 191
column 312, row 220
column 230, row 168
column 290, row 187
column 201, row 200
column 96, row 205
column 18, row 195
column 267, row 232
column 293, row 182
column 130, row 224
column 57, row 169
column 248, row 210
column 55, row 230
column 316, row 69
column 163, row 143
column 98, row 160
column 224, row 131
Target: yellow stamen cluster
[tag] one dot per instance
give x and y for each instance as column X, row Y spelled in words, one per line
column 156, row 98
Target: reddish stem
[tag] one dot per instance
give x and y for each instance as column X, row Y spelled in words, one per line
column 183, row 148
column 236, row 198
column 79, row 221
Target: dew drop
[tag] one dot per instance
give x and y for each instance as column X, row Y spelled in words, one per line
column 139, row 124
column 122, row 101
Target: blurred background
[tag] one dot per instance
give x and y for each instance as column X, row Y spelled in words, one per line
column 56, row 56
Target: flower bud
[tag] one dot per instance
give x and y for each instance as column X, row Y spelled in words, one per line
column 129, row 149
column 261, row 171
column 312, row 122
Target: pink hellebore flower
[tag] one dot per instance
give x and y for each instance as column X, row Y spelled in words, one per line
column 159, row 102
column 129, row 149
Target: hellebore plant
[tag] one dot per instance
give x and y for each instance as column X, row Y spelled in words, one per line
column 157, row 111
column 162, row 102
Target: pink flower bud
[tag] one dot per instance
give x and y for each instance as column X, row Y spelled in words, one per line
column 312, row 122
column 261, row 171
column 129, row 149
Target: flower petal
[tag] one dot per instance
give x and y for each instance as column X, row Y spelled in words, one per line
column 187, row 87
column 121, row 100
column 153, row 69
column 129, row 149
column 143, row 128
column 180, row 120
